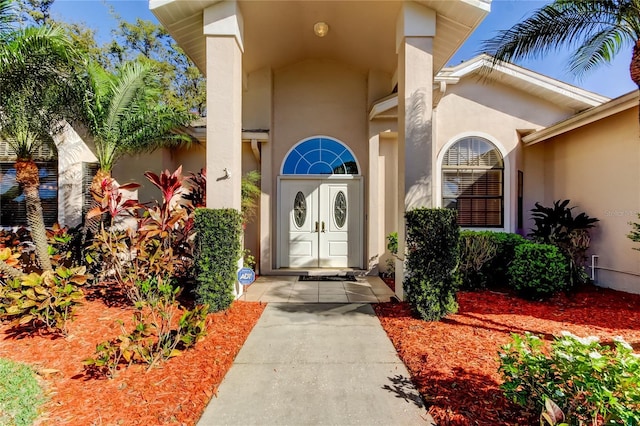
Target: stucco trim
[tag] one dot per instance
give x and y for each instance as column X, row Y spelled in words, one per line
column 482, row 63
column 508, row 175
column 622, row 103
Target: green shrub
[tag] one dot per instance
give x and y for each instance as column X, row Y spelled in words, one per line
column 538, row 271
column 477, row 249
column 20, row 394
column 217, row 251
column 43, row 300
column 485, row 257
column 432, row 277
column 498, row 267
column 590, row 383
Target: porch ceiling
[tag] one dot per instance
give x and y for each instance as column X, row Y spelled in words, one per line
column 361, row 33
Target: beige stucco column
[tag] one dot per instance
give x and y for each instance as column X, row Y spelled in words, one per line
column 416, row 28
column 223, row 31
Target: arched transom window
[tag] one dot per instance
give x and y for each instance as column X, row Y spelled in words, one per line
column 320, row 156
column 472, row 182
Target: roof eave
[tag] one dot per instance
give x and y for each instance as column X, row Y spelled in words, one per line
column 622, row 103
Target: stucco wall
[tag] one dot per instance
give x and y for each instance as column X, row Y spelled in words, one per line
column 132, row 169
column 495, row 112
column 597, row 167
column 319, row 98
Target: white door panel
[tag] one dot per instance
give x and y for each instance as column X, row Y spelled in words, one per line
column 320, row 223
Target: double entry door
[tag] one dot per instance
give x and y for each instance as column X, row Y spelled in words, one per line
column 320, row 223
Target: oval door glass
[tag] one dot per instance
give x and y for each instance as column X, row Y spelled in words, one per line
column 340, row 209
column 299, row 209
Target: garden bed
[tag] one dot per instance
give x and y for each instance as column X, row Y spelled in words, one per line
column 454, row 362
column 173, row 393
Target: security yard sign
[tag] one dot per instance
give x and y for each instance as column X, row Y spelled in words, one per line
column 246, row 276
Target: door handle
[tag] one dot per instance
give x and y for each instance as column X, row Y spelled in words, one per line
column 317, row 230
column 323, row 230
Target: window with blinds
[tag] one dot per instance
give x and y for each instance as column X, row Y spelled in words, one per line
column 13, row 211
column 473, row 182
column 12, row 203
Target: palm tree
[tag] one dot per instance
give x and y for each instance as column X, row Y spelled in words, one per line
column 596, row 29
column 37, row 81
column 7, row 16
column 124, row 116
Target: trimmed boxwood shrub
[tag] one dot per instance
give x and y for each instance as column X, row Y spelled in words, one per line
column 538, row 271
column 432, row 277
column 216, row 254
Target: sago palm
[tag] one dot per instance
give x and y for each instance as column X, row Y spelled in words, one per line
column 124, row 116
column 596, row 30
column 37, row 79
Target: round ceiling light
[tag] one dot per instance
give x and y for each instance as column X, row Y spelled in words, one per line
column 321, row 29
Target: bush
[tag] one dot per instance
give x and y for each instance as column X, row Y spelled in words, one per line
column 485, row 257
column 217, row 251
column 432, row 277
column 538, row 271
column 20, row 394
column 590, row 383
column 498, row 267
column 43, row 300
column 477, row 249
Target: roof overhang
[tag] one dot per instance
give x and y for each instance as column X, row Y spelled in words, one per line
column 361, row 33
column 555, row 91
column 622, row 103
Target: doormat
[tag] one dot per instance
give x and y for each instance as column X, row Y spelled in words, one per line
column 326, row 278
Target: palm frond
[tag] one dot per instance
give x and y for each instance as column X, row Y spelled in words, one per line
column 600, row 48
column 123, row 90
column 7, row 17
column 563, row 23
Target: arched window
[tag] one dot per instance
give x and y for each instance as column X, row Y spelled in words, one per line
column 320, row 156
column 472, row 182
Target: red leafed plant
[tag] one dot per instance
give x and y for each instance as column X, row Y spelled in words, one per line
column 112, row 200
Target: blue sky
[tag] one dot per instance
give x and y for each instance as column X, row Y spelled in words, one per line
column 610, row 80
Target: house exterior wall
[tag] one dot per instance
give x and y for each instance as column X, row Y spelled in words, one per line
column 133, row 167
column 495, row 112
column 597, row 167
column 316, row 98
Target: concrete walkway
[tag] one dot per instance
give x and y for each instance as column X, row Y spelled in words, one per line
column 289, row 289
column 317, row 364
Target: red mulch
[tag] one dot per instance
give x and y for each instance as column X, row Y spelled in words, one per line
column 173, row 393
column 454, row 362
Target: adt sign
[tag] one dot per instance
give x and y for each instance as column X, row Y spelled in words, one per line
column 246, row 276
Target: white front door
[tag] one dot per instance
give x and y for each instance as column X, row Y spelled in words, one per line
column 320, row 223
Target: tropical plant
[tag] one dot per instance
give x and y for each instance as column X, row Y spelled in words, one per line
column 159, row 245
column 197, row 192
column 124, row 116
column 634, row 235
column 7, row 16
column 46, row 299
column 587, row 382
column 556, row 225
column 38, row 88
column 596, row 30
column 250, row 188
